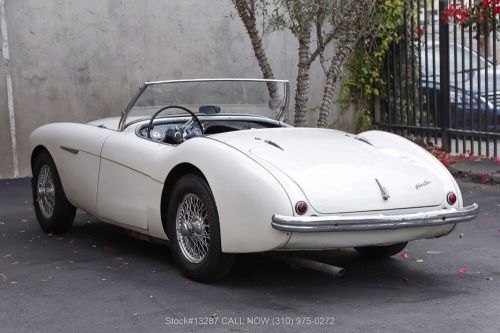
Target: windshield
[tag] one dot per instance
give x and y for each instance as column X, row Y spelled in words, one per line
column 267, row 98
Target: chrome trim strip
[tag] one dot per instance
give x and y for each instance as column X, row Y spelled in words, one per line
column 70, row 150
column 334, row 223
column 121, row 124
column 215, row 79
column 383, row 190
column 125, row 166
column 274, row 144
column 360, row 138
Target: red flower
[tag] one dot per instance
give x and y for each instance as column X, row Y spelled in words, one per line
column 457, row 12
column 419, row 30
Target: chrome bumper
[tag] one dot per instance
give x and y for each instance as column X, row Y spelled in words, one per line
column 334, row 223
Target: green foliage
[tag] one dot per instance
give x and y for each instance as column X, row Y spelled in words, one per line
column 365, row 64
column 298, row 16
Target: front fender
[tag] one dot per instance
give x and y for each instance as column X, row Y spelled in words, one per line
column 75, row 149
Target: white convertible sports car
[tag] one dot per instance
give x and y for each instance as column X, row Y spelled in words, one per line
column 210, row 166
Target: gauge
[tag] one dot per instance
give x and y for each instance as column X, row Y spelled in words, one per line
column 192, row 132
column 197, row 131
column 158, row 134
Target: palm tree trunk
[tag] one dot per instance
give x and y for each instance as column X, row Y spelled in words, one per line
column 331, row 82
column 303, row 78
column 247, row 15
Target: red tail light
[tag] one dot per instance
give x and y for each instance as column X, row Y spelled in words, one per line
column 301, row 207
column 452, row 198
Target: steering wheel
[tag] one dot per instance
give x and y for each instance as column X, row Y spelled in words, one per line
column 193, row 116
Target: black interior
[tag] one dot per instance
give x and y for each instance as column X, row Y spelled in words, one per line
column 214, row 126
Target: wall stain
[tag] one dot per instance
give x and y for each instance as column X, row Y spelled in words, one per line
column 83, row 74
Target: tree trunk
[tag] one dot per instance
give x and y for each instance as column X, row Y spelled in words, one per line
column 331, row 82
column 303, row 78
column 247, row 16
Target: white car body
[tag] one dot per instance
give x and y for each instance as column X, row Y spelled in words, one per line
column 121, row 178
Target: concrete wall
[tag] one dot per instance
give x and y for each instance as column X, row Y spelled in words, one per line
column 76, row 60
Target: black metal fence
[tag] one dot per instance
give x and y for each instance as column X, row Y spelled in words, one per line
column 441, row 81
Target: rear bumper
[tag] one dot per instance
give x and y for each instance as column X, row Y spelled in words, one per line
column 339, row 223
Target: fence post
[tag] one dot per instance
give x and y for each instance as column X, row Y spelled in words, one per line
column 444, row 76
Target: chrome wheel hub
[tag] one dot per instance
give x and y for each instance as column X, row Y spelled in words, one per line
column 186, row 229
column 46, row 192
column 192, row 228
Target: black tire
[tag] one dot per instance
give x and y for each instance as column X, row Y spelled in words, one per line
column 215, row 265
column 63, row 213
column 385, row 251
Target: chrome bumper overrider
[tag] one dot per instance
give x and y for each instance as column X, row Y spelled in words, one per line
column 373, row 222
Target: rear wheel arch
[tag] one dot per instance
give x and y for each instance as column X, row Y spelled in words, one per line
column 174, row 175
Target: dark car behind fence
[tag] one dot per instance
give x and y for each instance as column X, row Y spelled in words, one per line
column 442, row 81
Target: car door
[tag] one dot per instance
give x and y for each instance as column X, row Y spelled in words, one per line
column 124, row 178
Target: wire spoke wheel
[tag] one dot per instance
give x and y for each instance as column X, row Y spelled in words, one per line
column 193, row 228
column 46, row 193
column 54, row 212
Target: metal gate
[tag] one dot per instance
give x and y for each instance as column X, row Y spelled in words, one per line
column 441, row 80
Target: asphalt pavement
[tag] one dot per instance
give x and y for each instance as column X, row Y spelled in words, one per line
column 98, row 278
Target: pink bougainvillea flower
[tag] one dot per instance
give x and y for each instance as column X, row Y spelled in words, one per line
column 462, row 270
column 403, row 255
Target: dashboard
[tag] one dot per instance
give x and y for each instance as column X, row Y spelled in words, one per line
column 176, row 132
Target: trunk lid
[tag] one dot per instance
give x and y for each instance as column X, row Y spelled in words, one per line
column 340, row 173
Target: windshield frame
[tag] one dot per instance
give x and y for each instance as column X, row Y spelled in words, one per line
column 280, row 116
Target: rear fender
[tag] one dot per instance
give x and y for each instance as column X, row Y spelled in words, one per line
column 385, row 139
column 246, row 194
